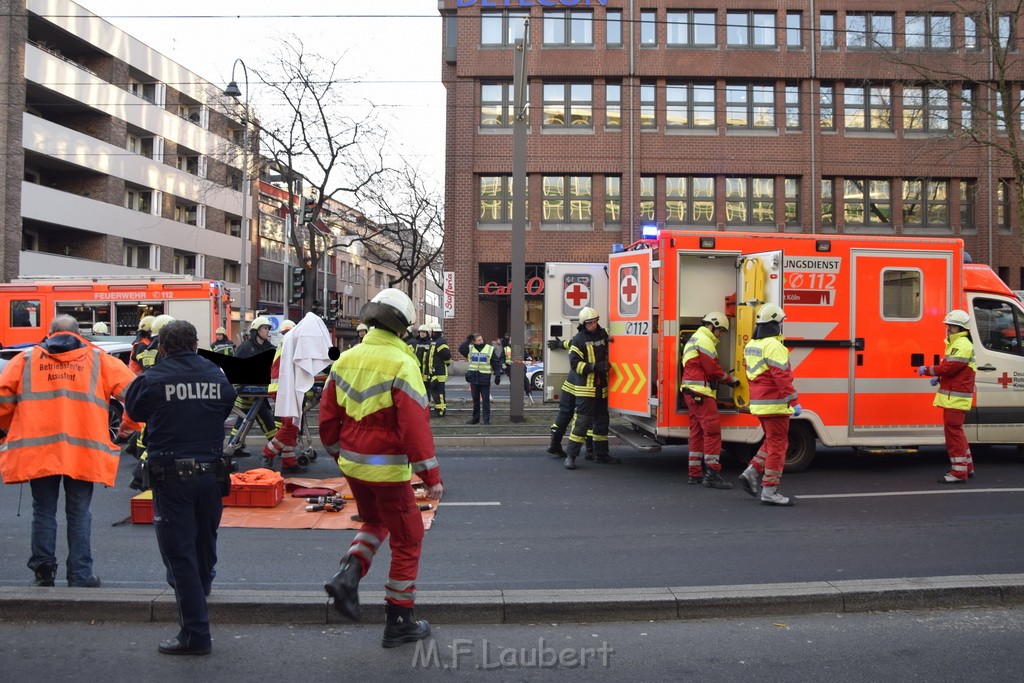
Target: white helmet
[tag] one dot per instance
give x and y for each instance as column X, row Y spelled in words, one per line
column 958, row 318
column 435, row 327
column 260, row 321
column 286, row 325
column 424, row 328
column 717, row 319
column 159, row 322
column 221, row 330
column 770, row 313
column 146, row 323
column 100, row 328
column 391, row 309
column 362, row 328
column 587, row 314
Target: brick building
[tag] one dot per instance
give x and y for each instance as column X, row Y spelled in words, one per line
column 767, row 115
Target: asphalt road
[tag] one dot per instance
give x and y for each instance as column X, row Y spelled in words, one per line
column 513, row 518
column 941, row 645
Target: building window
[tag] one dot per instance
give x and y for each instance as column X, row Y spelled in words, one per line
column 925, row 109
column 828, row 209
column 495, row 199
column 647, row 198
column 970, row 32
column 693, row 28
column 690, row 105
column 136, row 254
column 794, row 29
column 613, row 105
column 613, row 28
column 567, row 199
column 929, row 32
column 233, row 272
column 868, row 30
column 612, row 200
column 867, row 202
column 496, row 104
column 750, row 201
column 233, row 226
column 690, row 200
column 827, row 107
column 501, row 28
column 750, row 29
column 138, row 200
column 750, row 106
column 186, row 213
column 967, row 108
column 792, row 204
column 868, row 108
column 186, row 263
column 648, row 111
column 792, row 107
column 926, row 203
column 568, row 27
column 1003, row 205
column 968, row 192
column 1006, row 34
column 827, row 30
column 568, row 104
column 649, row 27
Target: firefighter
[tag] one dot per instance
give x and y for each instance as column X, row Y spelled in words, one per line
column 379, row 439
column 141, row 342
column 361, row 331
column 221, row 343
column 440, row 359
column 506, row 355
column 566, row 409
column 287, row 436
column 100, row 329
column 484, row 363
column 955, row 378
column 422, row 350
column 772, row 399
column 147, row 358
column 184, row 400
column 258, row 342
column 702, row 374
column 588, row 372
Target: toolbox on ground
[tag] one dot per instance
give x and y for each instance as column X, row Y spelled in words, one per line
column 142, row 508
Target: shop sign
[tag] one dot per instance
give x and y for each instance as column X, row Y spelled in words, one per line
column 534, row 287
column 448, row 305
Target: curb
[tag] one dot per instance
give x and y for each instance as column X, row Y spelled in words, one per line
column 529, row 606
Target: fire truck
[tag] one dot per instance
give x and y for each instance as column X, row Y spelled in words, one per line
column 30, row 306
column 862, row 313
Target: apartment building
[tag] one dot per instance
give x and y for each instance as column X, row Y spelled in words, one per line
column 130, row 164
column 824, row 116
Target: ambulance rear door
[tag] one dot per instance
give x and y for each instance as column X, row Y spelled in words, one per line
column 758, row 281
column 632, row 325
column 568, row 287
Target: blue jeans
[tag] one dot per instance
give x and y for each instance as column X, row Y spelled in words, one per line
column 77, row 499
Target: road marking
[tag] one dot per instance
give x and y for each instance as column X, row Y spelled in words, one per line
column 472, row 504
column 907, row 493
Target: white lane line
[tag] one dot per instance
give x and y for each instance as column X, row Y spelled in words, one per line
column 470, row 504
column 906, row 493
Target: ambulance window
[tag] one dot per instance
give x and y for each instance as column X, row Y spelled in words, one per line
column 901, row 294
column 24, row 314
column 999, row 325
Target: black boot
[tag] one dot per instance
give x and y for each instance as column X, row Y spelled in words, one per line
column 555, row 448
column 605, row 459
column 570, row 455
column 45, row 574
column 402, row 626
column 344, row 588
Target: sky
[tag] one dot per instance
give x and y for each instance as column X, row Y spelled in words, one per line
column 390, row 48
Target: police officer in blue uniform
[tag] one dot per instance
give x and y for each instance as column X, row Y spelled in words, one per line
column 184, row 400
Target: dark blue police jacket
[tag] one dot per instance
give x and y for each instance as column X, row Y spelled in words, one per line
column 184, row 400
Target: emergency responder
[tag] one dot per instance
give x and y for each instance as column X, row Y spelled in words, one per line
column 287, row 436
column 379, row 439
column 506, row 355
column 772, row 400
column 258, row 342
column 100, row 329
column 53, row 408
column 147, row 358
column 566, row 409
column 141, row 342
column 702, row 374
column 440, row 359
column 221, row 343
column 484, row 363
column 361, row 331
column 422, row 350
column 955, row 377
column 184, row 400
column 588, row 372
column 410, row 336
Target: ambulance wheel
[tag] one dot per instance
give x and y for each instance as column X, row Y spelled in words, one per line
column 802, row 446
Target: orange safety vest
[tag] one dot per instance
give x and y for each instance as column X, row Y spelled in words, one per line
column 54, row 407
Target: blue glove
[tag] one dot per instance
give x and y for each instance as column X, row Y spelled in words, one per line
column 797, row 409
column 922, row 370
column 934, row 381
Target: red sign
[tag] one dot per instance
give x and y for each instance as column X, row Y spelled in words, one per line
column 534, row 287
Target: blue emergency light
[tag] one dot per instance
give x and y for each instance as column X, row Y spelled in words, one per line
column 649, row 231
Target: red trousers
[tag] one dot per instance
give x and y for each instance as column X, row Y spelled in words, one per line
column 283, row 442
column 390, row 509
column 771, row 457
column 705, row 434
column 961, row 461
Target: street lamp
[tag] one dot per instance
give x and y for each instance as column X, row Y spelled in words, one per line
column 233, row 91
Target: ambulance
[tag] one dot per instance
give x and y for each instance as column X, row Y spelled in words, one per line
column 862, row 313
column 29, row 306
column 568, row 287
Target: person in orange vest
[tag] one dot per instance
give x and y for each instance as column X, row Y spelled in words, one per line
column 54, row 402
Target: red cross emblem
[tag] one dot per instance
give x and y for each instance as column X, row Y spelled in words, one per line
column 629, row 289
column 577, row 295
column 1005, row 380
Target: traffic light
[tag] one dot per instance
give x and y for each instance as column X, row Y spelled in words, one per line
column 308, row 209
column 317, row 307
column 298, row 284
column 332, row 313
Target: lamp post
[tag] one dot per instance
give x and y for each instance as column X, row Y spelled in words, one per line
column 233, row 91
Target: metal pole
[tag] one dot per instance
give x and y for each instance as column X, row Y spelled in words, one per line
column 243, row 263
column 517, row 325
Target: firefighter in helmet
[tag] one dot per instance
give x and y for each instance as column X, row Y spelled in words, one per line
column 141, row 342
column 257, row 343
column 588, row 373
column 221, row 343
column 440, row 359
column 361, row 330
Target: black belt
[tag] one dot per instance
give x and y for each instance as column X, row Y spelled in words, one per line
column 173, row 467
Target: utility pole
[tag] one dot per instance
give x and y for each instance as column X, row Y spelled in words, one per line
column 520, row 125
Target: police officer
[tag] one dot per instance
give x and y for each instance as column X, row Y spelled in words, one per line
column 221, row 343
column 184, row 401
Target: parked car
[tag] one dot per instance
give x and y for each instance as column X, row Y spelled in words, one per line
column 535, row 375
